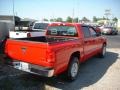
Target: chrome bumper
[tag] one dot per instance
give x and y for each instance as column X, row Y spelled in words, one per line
column 34, row 69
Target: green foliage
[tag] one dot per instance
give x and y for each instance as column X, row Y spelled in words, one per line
column 115, row 19
column 103, row 18
column 76, row 20
column 59, row 19
column 45, row 19
column 85, row 19
column 52, row 20
column 95, row 19
column 69, row 19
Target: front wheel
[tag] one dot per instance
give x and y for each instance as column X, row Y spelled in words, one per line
column 73, row 69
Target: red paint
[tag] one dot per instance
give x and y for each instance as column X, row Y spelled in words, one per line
column 56, row 55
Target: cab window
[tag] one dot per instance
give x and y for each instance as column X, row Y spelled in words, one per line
column 92, row 32
column 86, row 31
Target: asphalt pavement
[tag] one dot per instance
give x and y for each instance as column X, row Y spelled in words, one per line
column 95, row 74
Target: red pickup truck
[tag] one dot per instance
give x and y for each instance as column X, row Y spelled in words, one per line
column 64, row 47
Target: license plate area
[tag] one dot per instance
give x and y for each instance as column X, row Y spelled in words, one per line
column 21, row 66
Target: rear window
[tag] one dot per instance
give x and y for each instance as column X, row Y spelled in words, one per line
column 40, row 26
column 62, row 31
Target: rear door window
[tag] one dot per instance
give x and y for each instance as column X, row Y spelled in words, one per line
column 92, row 32
column 86, row 31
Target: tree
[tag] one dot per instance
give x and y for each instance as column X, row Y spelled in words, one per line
column 115, row 19
column 76, row 19
column 59, row 19
column 95, row 19
column 104, row 18
column 69, row 19
column 52, row 20
column 85, row 19
column 45, row 19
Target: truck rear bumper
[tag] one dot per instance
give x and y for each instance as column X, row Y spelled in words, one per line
column 34, row 69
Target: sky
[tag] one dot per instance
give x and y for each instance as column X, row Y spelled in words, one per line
column 38, row 9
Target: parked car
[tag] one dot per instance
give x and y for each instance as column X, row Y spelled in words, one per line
column 37, row 29
column 31, row 25
column 40, row 26
column 64, row 47
column 110, row 30
column 98, row 29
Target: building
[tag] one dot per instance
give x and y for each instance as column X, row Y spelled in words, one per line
column 9, row 18
column 118, row 24
column 18, row 21
column 6, row 22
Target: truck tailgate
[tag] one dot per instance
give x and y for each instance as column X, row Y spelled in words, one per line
column 28, row 51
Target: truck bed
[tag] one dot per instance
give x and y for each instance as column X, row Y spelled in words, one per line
column 33, row 50
column 46, row 39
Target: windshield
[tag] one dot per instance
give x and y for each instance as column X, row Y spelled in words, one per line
column 62, row 31
column 40, row 26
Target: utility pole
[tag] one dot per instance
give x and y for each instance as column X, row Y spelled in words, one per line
column 13, row 14
column 73, row 16
column 78, row 9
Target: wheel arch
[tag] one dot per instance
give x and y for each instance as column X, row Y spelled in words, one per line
column 104, row 43
column 75, row 54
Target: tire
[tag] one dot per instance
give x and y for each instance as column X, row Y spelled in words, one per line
column 116, row 33
column 103, row 52
column 73, row 69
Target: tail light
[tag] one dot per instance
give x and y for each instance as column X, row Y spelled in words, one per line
column 28, row 35
column 50, row 56
column 6, row 47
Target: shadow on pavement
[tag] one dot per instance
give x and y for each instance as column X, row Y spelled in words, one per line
column 90, row 72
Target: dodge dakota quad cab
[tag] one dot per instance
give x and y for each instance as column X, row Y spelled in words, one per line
column 64, row 47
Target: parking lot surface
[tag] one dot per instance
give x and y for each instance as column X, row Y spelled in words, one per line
column 95, row 74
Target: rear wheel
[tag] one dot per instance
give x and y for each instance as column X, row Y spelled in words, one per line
column 73, row 69
column 103, row 52
column 116, row 33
